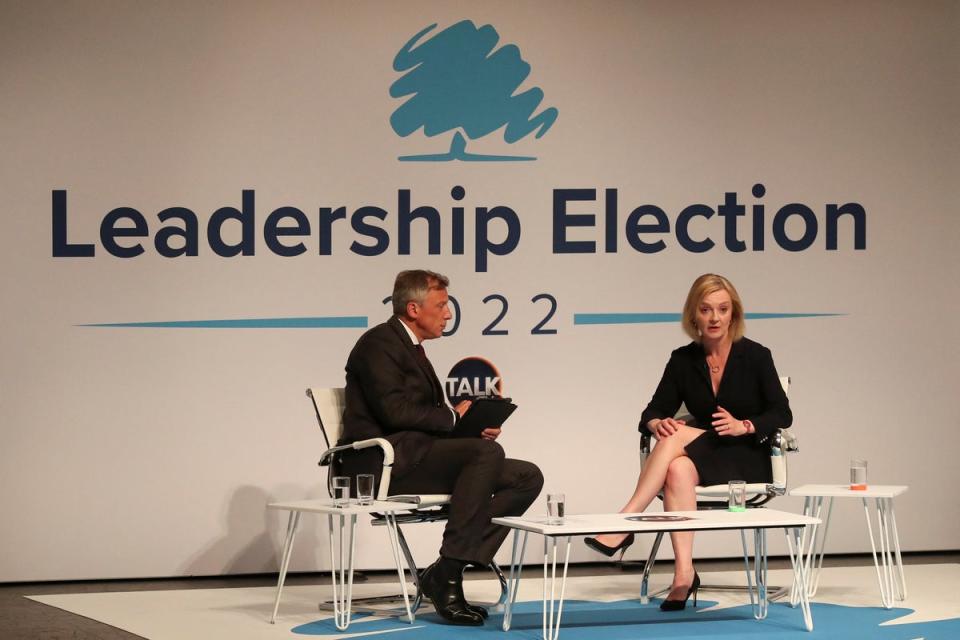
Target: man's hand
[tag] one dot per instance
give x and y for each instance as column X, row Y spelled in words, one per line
column 462, row 407
column 490, row 433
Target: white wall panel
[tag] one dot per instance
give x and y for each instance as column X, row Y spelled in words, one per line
column 153, row 452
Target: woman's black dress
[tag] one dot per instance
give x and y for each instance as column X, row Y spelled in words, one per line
column 749, row 389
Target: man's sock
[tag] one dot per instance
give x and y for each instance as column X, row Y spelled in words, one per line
column 450, row 568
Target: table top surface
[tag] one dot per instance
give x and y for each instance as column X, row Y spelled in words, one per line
column 844, row 491
column 718, row 519
column 325, row 505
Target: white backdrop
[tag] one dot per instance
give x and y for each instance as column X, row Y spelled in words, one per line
column 153, row 451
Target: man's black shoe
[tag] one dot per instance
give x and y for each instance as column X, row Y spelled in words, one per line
column 445, row 592
column 480, row 611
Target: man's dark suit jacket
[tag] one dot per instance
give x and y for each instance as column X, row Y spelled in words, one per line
column 392, row 394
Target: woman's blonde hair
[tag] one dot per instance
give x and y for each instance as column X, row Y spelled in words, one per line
column 702, row 287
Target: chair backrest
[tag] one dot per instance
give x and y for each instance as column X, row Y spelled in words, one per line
column 781, row 445
column 328, row 403
column 785, row 383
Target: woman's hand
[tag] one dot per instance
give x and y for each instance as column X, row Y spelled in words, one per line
column 726, row 425
column 664, row 428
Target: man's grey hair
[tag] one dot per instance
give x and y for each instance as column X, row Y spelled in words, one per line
column 413, row 286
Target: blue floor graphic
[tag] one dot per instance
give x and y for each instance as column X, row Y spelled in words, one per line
column 628, row 619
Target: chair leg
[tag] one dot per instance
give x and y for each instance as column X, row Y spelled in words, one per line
column 504, row 589
column 500, row 603
column 644, row 586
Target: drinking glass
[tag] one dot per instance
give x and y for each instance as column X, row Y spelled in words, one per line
column 555, row 508
column 737, row 495
column 365, row 488
column 341, row 491
column 858, row 475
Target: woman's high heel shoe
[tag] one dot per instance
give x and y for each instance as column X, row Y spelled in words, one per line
column 596, row 545
column 680, row 605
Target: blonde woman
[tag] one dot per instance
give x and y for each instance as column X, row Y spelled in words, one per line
column 730, row 386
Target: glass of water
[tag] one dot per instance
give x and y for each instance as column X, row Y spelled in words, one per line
column 858, row 475
column 555, row 508
column 365, row 488
column 341, row 491
column 737, row 495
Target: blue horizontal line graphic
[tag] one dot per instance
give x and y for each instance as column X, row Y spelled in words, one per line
column 774, row 316
column 649, row 318
column 328, row 322
column 624, row 318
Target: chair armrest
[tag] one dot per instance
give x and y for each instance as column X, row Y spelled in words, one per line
column 784, row 441
column 646, row 442
column 384, row 445
column 360, row 444
column 327, row 456
column 377, row 442
column 781, row 443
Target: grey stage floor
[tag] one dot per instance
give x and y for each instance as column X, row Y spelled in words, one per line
column 23, row 619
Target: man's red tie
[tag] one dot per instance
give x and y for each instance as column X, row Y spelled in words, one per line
column 421, row 354
column 435, row 382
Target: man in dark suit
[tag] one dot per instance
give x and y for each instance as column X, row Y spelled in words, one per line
column 393, row 393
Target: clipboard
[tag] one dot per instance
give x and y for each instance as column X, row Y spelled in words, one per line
column 483, row 413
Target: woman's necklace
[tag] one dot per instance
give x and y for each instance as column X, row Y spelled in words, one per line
column 716, row 365
column 714, row 368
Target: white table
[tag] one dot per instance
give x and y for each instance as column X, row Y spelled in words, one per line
column 759, row 520
column 345, row 549
column 882, row 496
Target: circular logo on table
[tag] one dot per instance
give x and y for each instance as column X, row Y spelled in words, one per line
column 472, row 378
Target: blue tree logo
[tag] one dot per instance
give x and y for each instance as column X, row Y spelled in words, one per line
column 459, row 83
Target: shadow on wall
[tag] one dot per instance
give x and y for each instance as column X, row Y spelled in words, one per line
column 254, row 536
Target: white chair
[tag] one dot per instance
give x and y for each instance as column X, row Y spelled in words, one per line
column 328, row 404
column 715, row 496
